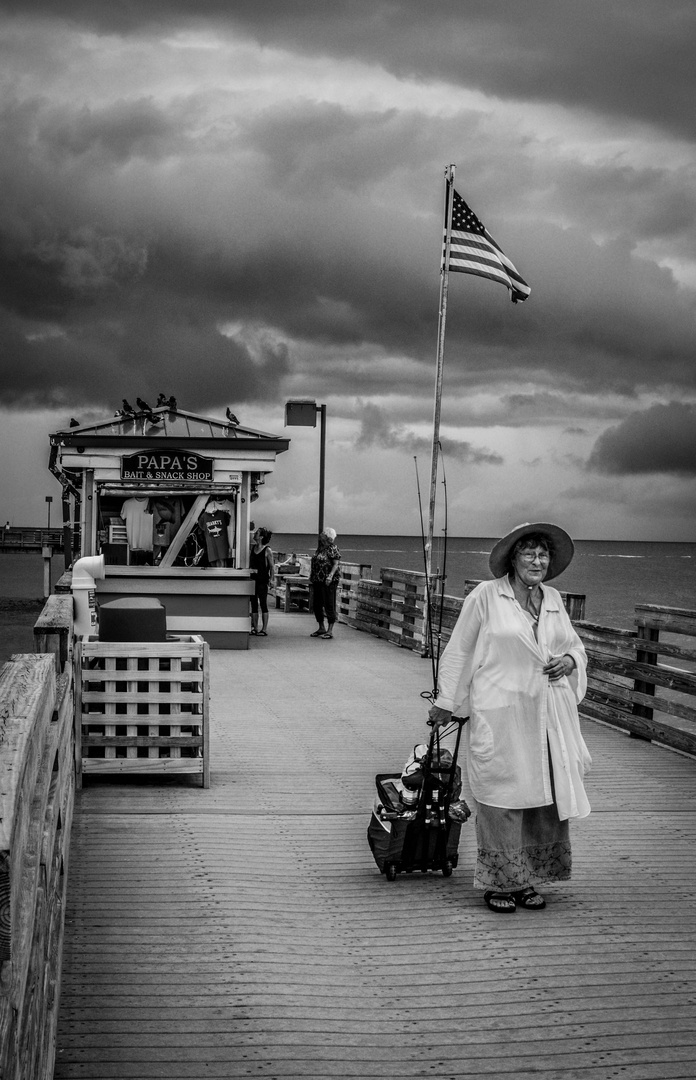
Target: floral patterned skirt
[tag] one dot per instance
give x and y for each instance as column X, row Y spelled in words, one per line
column 517, row 848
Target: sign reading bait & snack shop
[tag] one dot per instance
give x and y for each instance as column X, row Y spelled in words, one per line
column 173, row 465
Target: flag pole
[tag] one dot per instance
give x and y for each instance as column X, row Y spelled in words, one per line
column 444, row 284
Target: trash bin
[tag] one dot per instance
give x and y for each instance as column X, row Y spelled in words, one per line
column 133, row 618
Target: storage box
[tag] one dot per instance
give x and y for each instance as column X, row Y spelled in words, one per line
column 143, row 707
column 133, row 618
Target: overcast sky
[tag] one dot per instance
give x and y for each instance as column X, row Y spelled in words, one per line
column 241, row 202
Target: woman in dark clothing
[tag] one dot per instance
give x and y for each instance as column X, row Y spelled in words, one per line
column 261, row 560
column 323, row 575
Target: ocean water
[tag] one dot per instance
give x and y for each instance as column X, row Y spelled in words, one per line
column 613, row 575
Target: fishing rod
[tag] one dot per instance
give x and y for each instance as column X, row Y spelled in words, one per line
column 444, row 565
column 431, row 695
column 435, row 652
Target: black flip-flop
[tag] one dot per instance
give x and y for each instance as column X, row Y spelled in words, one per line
column 318, row 633
column 529, row 898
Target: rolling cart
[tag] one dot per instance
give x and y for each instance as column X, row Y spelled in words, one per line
column 418, row 814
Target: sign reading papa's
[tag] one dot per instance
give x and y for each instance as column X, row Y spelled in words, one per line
column 179, row 465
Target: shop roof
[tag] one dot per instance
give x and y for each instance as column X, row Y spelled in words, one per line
column 172, row 426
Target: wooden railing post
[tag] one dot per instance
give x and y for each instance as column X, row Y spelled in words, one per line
column 643, row 657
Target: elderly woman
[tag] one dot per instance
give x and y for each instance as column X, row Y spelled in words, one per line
column 324, row 577
column 516, row 667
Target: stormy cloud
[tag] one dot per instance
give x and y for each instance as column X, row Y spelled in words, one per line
column 661, row 439
column 242, row 202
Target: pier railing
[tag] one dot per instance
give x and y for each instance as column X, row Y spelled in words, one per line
column 394, row 608
column 630, row 685
column 16, row 539
column 37, row 792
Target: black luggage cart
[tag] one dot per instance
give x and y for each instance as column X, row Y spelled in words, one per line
column 415, row 825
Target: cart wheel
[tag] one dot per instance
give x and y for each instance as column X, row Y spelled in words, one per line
column 390, row 871
column 447, row 868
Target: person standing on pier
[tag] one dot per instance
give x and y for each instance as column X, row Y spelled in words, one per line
column 261, row 560
column 323, row 575
column 517, row 668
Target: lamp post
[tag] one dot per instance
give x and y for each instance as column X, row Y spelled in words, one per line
column 303, row 413
column 49, row 500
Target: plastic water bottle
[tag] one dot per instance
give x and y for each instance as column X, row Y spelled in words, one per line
column 409, row 797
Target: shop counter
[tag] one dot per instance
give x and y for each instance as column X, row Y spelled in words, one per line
column 208, row 601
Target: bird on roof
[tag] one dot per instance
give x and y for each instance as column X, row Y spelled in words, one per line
column 74, row 422
column 231, row 417
column 143, row 405
column 161, row 400
column 171, row 404
column 128, row 410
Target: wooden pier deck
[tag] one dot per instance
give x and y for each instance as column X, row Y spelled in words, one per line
column 244, row 930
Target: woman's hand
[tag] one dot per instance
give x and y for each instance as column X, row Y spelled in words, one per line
column 438, row 717
column 558, row 666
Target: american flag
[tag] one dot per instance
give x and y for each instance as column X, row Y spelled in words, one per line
column 474, row 251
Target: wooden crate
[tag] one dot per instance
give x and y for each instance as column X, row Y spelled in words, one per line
column 142, row 707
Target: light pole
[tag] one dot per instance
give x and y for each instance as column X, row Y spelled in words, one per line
column 49, row 500
column 303, row 413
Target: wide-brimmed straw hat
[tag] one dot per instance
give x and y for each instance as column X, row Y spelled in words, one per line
column 563, row 548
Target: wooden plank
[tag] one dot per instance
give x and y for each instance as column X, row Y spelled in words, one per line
column 611, row 642
column 410, row 577
column 142, row 765
column 110, row 697
column 151, row 740
column 671, row 620
column 683, row 682
column 629, row 696
column 647, row 728
column 197, row 508
column 27, row 699
column 53, row 630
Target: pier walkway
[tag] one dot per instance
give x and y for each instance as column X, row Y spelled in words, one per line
column 244, row 930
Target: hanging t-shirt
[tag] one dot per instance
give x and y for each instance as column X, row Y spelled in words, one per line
column 229, row 506
column 214, row 525
column 138, row 521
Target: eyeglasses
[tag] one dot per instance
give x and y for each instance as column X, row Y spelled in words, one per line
column 532, row 556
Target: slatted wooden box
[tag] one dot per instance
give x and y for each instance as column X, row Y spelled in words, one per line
column 142, row 707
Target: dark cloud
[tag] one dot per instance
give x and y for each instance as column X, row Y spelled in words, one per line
column 114, row 134
column 611, row 58
column 661, row 439
column 162, row 345
column 139, row 222
column 376, row 429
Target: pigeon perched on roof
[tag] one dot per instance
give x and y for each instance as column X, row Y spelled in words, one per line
column 74, row 422
column 171, row 404
column 161, row 400
column 143, row 405
column 231, row 417
column 128, row 409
